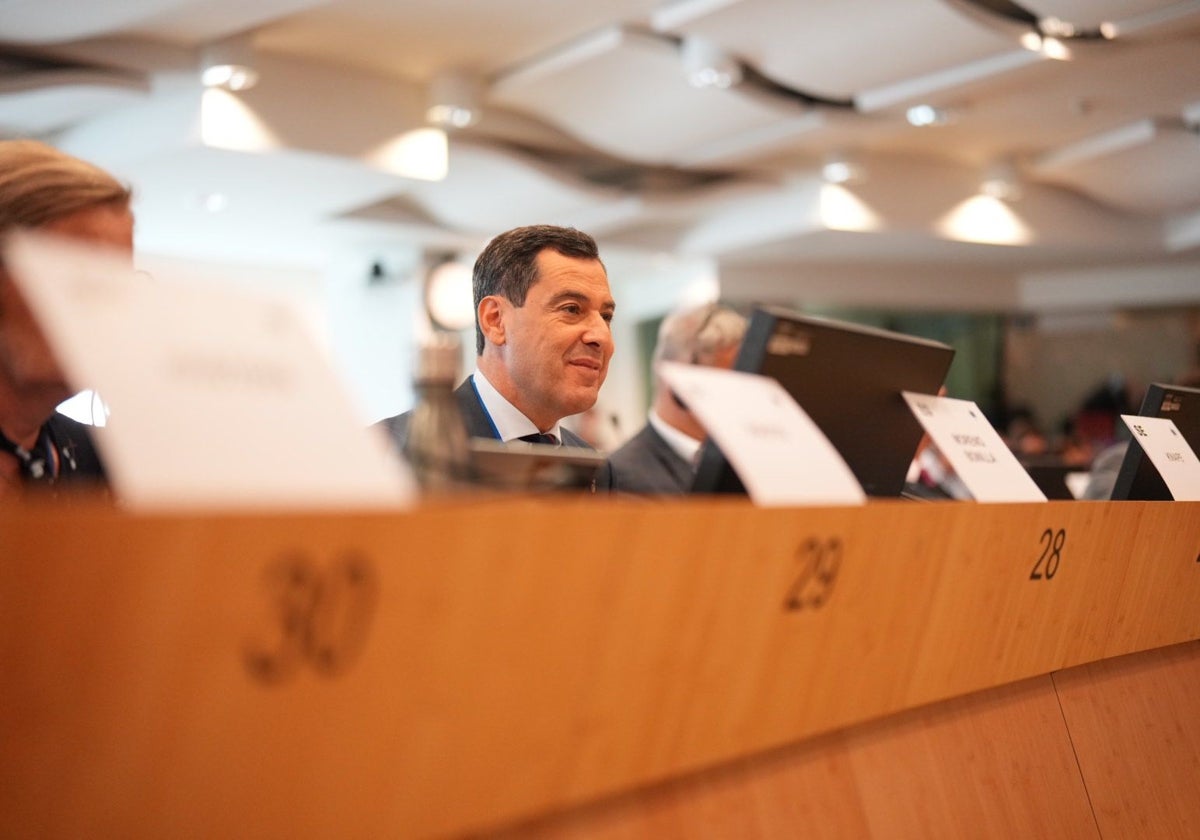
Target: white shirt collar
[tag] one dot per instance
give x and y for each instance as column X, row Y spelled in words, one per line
column 685, row 446
column 510, row 423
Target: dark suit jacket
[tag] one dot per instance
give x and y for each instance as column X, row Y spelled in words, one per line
column 74, row 441
column 645, row 464
column 475, row 418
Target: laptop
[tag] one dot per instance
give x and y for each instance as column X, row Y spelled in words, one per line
column 518, row 465
column 848, row 378
column 1138, row 478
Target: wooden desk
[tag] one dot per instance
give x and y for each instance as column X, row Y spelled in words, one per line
column 576, row 666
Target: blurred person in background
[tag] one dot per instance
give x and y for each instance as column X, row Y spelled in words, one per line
column 42, row 188
column 661, row 457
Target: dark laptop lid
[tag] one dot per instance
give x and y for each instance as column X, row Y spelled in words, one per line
column 849, row 379
column 1138, row 477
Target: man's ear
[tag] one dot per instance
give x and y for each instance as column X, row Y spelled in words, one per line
column 491, row 318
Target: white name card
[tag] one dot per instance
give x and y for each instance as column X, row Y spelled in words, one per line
column 973, row 448
column 219, row 398
column 1170, row 453
column 779, row 453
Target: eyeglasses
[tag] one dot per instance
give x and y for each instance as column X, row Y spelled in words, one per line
column 713, row 309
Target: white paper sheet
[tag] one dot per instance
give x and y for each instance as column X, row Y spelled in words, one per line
column 1170, row 453
column 974, row 449
column 219, row 399
column 779, row 453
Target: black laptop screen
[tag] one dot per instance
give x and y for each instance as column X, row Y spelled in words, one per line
column 1138, row 478
column 848, row 378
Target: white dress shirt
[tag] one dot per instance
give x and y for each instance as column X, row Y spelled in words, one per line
column 510, row 423
column 685, row 446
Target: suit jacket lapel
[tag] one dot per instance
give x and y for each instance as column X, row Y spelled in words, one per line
column 479, row 422
column 475, row 416
column 680, row 469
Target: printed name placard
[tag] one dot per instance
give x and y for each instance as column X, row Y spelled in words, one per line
column 779, row 453
column 976, row 452
column 219, row 398
column 1170, row 453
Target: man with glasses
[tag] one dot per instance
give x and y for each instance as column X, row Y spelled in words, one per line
column 661, row 458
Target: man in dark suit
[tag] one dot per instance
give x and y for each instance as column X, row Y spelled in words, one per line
column 542, row 337
column 660, row 459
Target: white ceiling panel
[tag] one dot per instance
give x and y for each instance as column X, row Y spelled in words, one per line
column 478, row 195
column 1088, row 14
column 36, row 21
column 211, row 204
column 189, row 21
column 36, row 102
column 839, row 49
column 605, row 132
column 414, row 39
column 1156, row 170
column 585, row 89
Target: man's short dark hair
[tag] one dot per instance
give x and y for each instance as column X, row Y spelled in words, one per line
column 508, row 265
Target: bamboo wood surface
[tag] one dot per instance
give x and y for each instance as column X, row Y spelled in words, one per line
column 466, row 665
column 997, row 764
column 1135, row 725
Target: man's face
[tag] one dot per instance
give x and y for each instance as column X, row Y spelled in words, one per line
column 557, row 346
column 24, row 353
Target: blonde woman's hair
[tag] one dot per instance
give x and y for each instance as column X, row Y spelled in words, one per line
column 40, row 184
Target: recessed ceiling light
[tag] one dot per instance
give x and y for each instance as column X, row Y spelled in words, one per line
column 453, row 100
column 927, row 115
column 1047, row 45
column 229, row 76
column 213, row 202
column 229, row 64
column 708, row 66
column 841, row 168
column 448, row 297
column 1001, row 181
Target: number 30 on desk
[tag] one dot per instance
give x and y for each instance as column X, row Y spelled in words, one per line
column 1051, row 543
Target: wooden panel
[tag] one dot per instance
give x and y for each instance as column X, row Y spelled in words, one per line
column 994, row 765
column 1135, row 723
column 465, row 665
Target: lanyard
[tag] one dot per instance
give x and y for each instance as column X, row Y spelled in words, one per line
column 39, row 465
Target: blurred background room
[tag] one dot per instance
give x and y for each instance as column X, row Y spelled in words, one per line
column 1021, row 181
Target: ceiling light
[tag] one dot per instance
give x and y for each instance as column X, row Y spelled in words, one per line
column 986, row 221
column 708, row 66
column 1001, row 181
column 213, row 202
column 1047, row 45
column 1056, row 27
column 453, row 100
column 422, row 153
column 926, row 115
column 1055, row 49
column 841, row 168
column 448, row 294
column 1053, row 27
column 229, row 64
